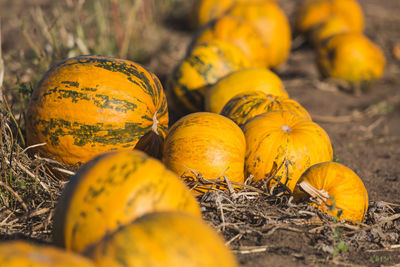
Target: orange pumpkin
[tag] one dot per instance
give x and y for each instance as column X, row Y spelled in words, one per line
column 283, row 145
column 337, row 190
column 237, row 31
column 203, row 11
column 246, row 106
column 351, row 57
column 207, row 143
column 313, row 12
column 88, row 105
column 164, row 239
column 21, row 253
column 331, row 26
column 205, row 65
column 273, row 26
column 112, row 190
column 245, row 80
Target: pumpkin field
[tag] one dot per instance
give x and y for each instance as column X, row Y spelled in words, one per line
column 200, row 133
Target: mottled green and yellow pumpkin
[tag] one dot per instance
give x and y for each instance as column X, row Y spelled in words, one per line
column 204, row 66
column 165, row 239
column 272, row 25
column 351, row 57
column 88, row 105
column 336, row 189
column 21, row 253
column 237, row 31
column 283, row 145
column 113, row 189
column 207, row 143
column 246, row 106
column 331, row 26
column 313, row 12
column 245, row 80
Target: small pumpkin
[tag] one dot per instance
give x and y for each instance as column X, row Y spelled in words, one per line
column 237, row 31
column 337, row 189
column 111, row 190
column 282, row 146
column 207, row 143
column 331, row 26
column 250, row 79
column 272, row 25
column 313, row 12
column 88, row 105
column 164, row 239
column 205, row 65
column 351, row 57
column 19, row 253
column 246, row 106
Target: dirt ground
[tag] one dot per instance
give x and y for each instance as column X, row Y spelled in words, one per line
column 365, row 134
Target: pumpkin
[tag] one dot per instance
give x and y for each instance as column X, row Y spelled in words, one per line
column 250, row 79
column 331, row 26
column 245, row 106
column 272, row 25
column 313, row 12
column 113, row 189
column 164, row 239
column 21, row 253
column 204, row 66
column 351, row 57
column 338, row 191
column 207, row 143
column 88, row 105
column 203, row 11
column 237, row 31
column 282, row 146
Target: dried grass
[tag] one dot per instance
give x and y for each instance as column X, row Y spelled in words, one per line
column 28, row 187
column 252, row 213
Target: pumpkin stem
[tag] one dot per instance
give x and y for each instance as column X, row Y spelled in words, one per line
column 286, row 128
column 155, row 123
column 320, row 195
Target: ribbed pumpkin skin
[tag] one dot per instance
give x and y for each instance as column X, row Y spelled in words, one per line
column 208, row 143
column 251, row 79
column 21, row 253
column 313, row 12
column 165, row 239
column 351, row 57
column 240, row 33
column 331, row 26
column 246, row 106
column 340, row 182
column 280, row 136
column 273, row 26
column 112, row 190
column 88, row 105
column 205, row 65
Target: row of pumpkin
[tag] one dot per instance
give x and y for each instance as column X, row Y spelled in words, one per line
column 236, row 34
column 124, row 208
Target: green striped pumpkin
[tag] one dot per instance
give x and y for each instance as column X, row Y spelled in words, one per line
column 204, row 66
column 247, row 105
column 88, row 105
